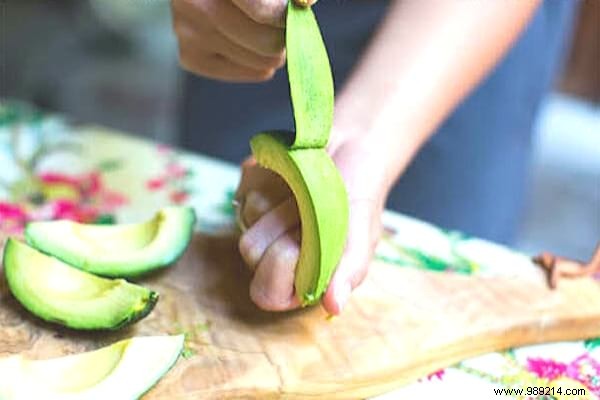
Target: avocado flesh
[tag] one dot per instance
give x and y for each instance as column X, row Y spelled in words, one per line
column 322, row 204
column 122, row 371
column 58, row 293
column 117, row 251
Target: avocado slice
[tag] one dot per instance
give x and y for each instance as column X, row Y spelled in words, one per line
column 117, row 251
column 122, row 371
column 322, row 203
column 58, row 293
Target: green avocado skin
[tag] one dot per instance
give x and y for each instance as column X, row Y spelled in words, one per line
column 115, row 305
column 323, row 205
column 301, row 160
column 172, row 230
column 310, row 78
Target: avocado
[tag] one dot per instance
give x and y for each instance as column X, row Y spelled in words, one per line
column 301, row 160
column 58, row 293
column 117, row 251
column 122, row 371
column 322, row 203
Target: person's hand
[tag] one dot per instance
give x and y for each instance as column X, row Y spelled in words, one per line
column 270, row 246
column 232, row 40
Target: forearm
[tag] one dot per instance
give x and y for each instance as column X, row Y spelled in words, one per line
column 425, row 58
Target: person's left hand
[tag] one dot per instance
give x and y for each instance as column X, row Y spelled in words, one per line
column 271, row 244
column 231, row 40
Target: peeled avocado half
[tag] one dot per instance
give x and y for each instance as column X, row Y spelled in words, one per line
column 58, row 293
column 122, row 371
column 301, row 160
column 122, row 251
column 320, row 194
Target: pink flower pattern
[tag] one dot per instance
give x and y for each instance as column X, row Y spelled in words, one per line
column 12, row 218
column 586, row 370
column 85, row 198
column 88, row 199
column 439, row 374
column 174, row 178
column 548, row 369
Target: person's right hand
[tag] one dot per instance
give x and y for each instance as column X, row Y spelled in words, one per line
column 231, row 40
column 271, row 241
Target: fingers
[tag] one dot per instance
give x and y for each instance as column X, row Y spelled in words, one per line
column 237, row 40
column 255, row 205
column 259, row 191
column 275, row 260
column 267, row 12
column 217, row 66
column 219, row 40
column 271, row 245
column 256, row 240
column 272, row 287
column 235, row 25
column 305, row 3
column 363, row 233
column 215, row 43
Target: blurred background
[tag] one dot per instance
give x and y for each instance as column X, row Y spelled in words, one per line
column 114, row 63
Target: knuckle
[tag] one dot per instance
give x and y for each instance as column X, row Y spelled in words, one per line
column 267, row 301
column 279, row 260
column 192, row 64
column 249, row 250
column 280, row 61
column 263, row 13
column 185, row 59
column 256, row 204
column 284, row 257
column 266, row 74
column 275, row 43
column 272, row 64
column 181, row 27
column 192, row 58
column 267, row 11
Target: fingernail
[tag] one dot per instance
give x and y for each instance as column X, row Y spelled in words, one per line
column 342, row 295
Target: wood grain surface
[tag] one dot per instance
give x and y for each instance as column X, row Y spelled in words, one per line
column 400, row 325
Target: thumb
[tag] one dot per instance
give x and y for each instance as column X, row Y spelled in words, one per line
column 363, row 233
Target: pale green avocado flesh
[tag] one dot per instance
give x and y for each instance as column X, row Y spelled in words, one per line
column 58, row 293
column 322, row 203
column 301, row 159
column 122, row 371
column 122, row 251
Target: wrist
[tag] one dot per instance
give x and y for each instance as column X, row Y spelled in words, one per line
column 379, row 140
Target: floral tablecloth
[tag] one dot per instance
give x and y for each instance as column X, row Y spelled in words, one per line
column 51, row 169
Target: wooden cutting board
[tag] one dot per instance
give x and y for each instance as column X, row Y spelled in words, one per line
column 400, row 325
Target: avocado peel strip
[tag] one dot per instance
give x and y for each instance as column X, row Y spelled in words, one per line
column 302, row 161
column 309, row 77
